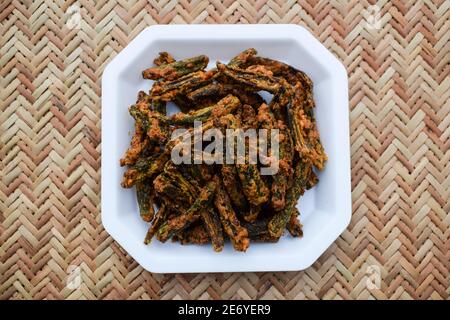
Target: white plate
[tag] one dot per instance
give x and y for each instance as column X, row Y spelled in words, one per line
column 325, row 210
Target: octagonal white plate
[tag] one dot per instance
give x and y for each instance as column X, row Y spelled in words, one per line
column 325, row 210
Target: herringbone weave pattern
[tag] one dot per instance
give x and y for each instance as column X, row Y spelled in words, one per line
column 398, row 66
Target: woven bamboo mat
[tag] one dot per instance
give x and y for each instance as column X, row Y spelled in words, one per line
column 52, row 242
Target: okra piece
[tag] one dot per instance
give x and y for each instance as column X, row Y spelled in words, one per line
column 221, row 108
column 253, row 186
column 213, row 226
column 168, row 90
column 250, row 78
column 160, row 216
column 175, row 225
column 281, row 178
column 237, row 234
column 176, row 69
column 242, row 58
column 163, row 58
column 217, row 89
column 279, row 221
column 281, row 69
column 137, row 146
column 153, row 123
column 145, row 198
column 233, row 186
column 180, row 181
column 144, row 168
column 306, row 137
column 174, row 197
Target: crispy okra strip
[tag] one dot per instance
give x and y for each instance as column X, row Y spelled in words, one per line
column 253, row 186
column 168, row 90
column 279, row 185
column 226, row 105
column 144, row 168
column 279, row 221
column 137, row 146
column 281, row 178
column 237, row 234
column 305, row 130
column 180, row 181
column 280, row 69
column 250, row 78
column 138, row 141
column 175, row 225
column 176, row 69
column 145, row 198
column 163, row 58
column 171, row 194
column 233, row 186
column 217, row 89
column 242, row 58
column 211, row 222
column 153, row 123
column 160, row 216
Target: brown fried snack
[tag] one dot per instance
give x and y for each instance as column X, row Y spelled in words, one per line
column 210, row 203
column 176, row 69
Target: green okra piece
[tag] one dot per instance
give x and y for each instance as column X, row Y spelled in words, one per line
column 160, row 217
column 241, row 59
column 144, row 168
column 178, row 223
column 280, row 69
column 279, row 221
column 153, row 123
column 211, row 222
column 250, row 78
column 145, row 198
column 224, row 106
column 253, row 185
column 237, row 234
column 180, row 181
column 176, row 69
column 189, row 118
column 233, row 186
column 175, row 197
column 212, row 89
column 216, row 89
column 168, row 90
column 282, row 177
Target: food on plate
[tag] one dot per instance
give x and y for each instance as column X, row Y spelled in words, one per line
column 215, row 201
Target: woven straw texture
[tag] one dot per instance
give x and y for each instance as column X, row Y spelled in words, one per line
column 53, row 245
